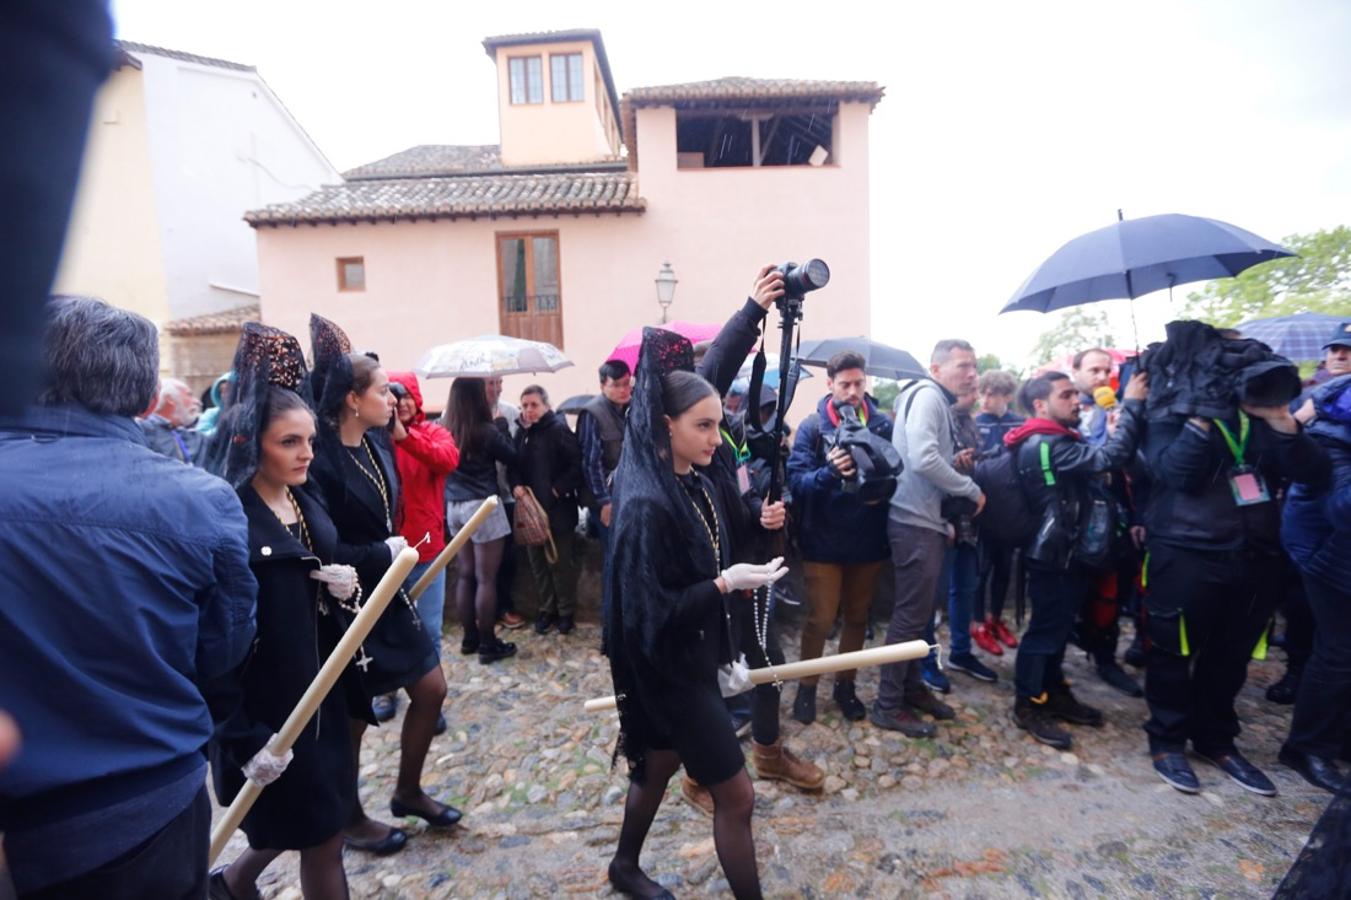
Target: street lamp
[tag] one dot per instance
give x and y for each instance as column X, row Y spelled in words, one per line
column 666, row 285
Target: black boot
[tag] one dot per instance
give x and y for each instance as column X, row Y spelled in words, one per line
column 1116, row 676
column 1285, row 690
column 804, row 707
column 850, row 706
column 1036, row 720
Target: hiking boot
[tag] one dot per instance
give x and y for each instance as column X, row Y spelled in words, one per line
column 775, row 761
column 902, row 720
column 1061, row 704
column 1286, row 689
column 1113, row 674
column 986, row 640
column 850, row 706
column 1036, row 720
column 804, row 706
column 696, row 795
column 923, row 700
column 968, row 664
column 1001, row 633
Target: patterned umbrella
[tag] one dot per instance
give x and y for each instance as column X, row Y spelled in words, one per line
column 1296, row 337
column 490, row 355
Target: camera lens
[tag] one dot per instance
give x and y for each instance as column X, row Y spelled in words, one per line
column 815, row 274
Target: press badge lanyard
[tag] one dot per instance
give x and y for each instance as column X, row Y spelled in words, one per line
column 1245, row 482
column 742, row 452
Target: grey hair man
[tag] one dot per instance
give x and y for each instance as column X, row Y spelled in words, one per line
column 168, row 430
column 917, row 528
column 127, row 590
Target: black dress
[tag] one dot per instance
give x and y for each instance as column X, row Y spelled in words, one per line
column 299, row 624
column 676, row 632
column 399, row 649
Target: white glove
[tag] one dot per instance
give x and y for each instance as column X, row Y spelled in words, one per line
column 341, row 580
column 396, row 545
column 266, row 768
column 748, row 577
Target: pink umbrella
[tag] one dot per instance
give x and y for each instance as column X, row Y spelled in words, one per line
column 627, row 348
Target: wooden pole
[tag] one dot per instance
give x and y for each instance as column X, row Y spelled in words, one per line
column 445, row 556
column 873, row 656
column 333, row 667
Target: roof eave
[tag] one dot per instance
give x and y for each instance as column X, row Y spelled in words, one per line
column 258, row 221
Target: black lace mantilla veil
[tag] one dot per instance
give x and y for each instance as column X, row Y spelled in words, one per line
column 657, row 534
column 332, row 371
column 265, row 357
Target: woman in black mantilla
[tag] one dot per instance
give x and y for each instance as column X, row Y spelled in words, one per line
column 669, row 589
column 263, row 447
column 354, row 470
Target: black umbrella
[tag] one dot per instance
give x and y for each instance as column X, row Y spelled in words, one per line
column 574, row 405
column 881, row 360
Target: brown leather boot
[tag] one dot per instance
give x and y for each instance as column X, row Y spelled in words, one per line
column 778, row 762
column 696, row 795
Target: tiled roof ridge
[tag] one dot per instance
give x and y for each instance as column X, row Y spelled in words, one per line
column 151, row 49
column 467, row 196
column 740, row 86
column 215, row 322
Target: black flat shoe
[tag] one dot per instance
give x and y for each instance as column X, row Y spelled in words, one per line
column 390, row 843
column 1176, row 772
column 217, row 889
column 1244, row 773
column 491, row 653
column 468, row 647
column 1319, row 771
column 448, row 816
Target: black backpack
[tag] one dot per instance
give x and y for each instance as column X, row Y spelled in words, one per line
column 1007, row 518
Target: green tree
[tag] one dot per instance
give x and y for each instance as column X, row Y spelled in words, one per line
column 1317, row 280
column 1076, row 329
column 885, row 393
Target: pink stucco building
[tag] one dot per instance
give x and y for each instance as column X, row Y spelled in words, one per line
column 559, row 232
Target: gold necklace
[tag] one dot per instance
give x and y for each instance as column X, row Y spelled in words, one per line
column 377, row 479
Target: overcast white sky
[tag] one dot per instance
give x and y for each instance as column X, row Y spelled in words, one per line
column 1007, row 128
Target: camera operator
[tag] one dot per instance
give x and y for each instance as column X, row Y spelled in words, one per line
column 1060, row 474
column 918, row 528
column 1214, row 569
column 843, row 538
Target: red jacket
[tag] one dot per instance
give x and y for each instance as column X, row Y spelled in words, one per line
column 424, row 459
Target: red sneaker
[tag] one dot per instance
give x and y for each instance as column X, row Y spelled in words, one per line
column 985, row 640
column 1002, row 633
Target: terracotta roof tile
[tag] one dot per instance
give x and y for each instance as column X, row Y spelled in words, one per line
column 432, row 159
column 458, row 197
column 216, row 322
column 131, row 47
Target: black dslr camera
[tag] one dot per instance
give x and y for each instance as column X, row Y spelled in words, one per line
column 799, row 280
column 877, row 464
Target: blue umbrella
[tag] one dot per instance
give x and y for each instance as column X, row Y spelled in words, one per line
column 1139, row 256
column 1299, row 336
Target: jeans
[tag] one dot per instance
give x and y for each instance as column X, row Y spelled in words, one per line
column 917, row 558
column 996, row 571
column 1056, row 597
column 963, row 567
column 431, row 606
column 1207, row 611
column 1322, row 722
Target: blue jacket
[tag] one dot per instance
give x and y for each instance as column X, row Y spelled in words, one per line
column 126, row 585
column 1316, row 524
column 992, row 429
column 834, row 527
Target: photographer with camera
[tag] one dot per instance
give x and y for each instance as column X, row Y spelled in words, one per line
column 918, row 526
column 842, row 527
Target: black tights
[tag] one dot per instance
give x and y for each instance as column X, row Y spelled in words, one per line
column 321, row 873
column 476, row 588
column 733, row 803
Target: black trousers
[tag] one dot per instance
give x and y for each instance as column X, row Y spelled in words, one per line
column 1322, row 722
column 169, row 866
column 1299, row 619
column 1207, row 611
column 1055, row 596
column 764, row 697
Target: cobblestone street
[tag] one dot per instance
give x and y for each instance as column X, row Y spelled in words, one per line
column 982, row 811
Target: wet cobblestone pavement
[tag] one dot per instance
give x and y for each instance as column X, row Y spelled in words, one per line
column 979, row 811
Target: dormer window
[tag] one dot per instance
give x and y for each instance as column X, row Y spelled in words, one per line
column 527, row 79
column 565, row 76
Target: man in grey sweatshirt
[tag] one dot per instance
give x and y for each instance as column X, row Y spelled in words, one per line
column 916, row 529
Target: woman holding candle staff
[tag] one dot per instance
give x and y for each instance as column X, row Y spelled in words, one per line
column 263, row 446
column 671, row 587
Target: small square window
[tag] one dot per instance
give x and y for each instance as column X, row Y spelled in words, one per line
column 352, row 273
